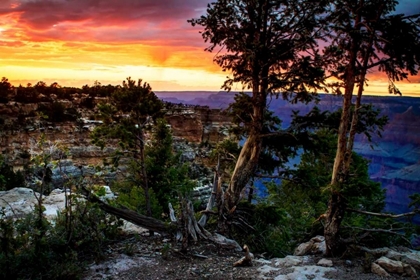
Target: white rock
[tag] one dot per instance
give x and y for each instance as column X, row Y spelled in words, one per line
column 319, row 248
column 306, row 272
column 303, row 249
column 318, row 238
column 18, row 201
column 265, row 269
column 55, row 202
column 132, row 228
column 390, row 265
column 314, row 246
column 289, row 261
column 377, row 269
column 116, row 266
column 108, row 193
column 396, row 266
column 325, row 263
column 411, row 257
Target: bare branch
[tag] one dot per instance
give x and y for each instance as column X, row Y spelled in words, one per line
column 384, row 215
column 381, row 230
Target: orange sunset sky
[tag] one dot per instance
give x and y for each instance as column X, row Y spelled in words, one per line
column 76, row 42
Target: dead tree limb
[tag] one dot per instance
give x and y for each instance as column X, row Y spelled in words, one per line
column 191, row 227
column 381, row 230
column 247, row 259
column 149, row 223
column 384, row 215
column 212, row 198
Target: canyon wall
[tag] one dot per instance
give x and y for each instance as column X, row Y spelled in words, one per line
column 197, row 119
column 394, row 158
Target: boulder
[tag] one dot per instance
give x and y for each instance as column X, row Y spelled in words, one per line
column 397, row 267
column 17, row 202
column 314, row 246
column 410, row 257
column 325, row 263
column 377, row 269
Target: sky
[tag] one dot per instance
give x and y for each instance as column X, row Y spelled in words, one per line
column 78, row 42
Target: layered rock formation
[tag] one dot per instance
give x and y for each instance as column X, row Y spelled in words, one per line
column 193, row 124
column 394, row 158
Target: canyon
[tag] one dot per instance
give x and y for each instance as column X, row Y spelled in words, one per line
column 197, row 118
column 394, row 158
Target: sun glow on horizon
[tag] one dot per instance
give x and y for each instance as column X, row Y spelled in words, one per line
column 79, row 42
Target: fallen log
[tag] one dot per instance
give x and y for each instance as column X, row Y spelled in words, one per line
column 191, row 227
column 146, row 222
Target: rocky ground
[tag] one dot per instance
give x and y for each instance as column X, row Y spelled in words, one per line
column 144, row 257
column 136, row 255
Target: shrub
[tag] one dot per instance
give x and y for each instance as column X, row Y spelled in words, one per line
column 9, row 179
column 33, row 248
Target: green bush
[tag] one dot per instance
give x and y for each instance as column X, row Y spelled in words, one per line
column 133, row 198
column 33, row 248
column 9, row 179
column 276, row 232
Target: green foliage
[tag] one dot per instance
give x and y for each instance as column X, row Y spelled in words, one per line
column 10, row 179
column 86, row 228
column 31, row 251
column 241, row 112
column 5, row 90
column 57, row 112
column 259, row 46
column 161, row 163
column 32, row 248
column 271, row 234
column 133, row 197
column 356, row 48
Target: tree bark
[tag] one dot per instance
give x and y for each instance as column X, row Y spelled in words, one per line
column 334, row 216
column 244, row 170
column 336, row 204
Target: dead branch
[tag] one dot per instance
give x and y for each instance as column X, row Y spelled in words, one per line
column 149, row 223
column 247, row 259
column 381, row 230
column 384, row 215
column 208, row 212
column 216, row 182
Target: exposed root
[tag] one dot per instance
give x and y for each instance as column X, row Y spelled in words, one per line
column 247, row 259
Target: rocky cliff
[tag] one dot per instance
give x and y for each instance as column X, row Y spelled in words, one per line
column 21, row 129
column 394, row 158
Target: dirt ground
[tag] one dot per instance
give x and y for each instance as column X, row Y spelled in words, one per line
column 144, row 257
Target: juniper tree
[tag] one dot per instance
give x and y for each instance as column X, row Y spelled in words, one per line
column 363, row 36
column 270, row 47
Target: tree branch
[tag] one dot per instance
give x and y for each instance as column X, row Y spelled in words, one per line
column 384, row 215
column 381, row 230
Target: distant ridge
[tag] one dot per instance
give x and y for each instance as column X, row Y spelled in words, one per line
column 394, row 159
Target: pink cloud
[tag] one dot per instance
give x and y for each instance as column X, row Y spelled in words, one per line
column 13, row 44
column 105, row 20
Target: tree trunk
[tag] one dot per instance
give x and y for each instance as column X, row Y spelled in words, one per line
column 336, row 204
column 334, row 217
column 336, row 207
column 145, row 184
column 244, row 170
column 144, row 175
